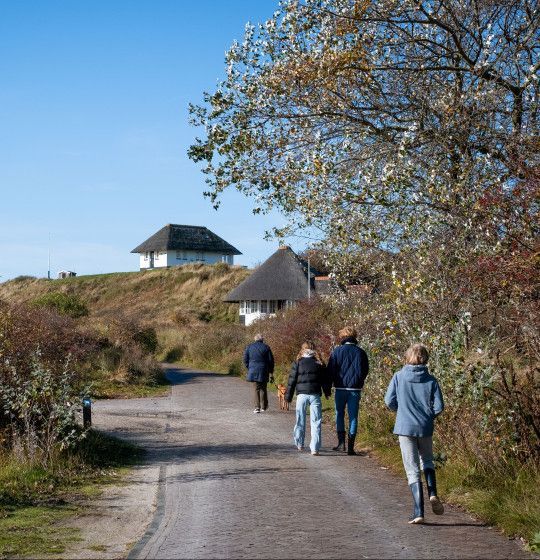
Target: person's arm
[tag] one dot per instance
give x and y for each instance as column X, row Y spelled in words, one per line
column 246, row 357
column 438, row 403
column 270, row 362
column 291, row 384
column 326, row 381
column 390, row 399
column 364, row 365
column 331, row 367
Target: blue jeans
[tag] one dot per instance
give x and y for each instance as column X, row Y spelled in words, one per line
column 417, row 455
column 315, row 415
column 351, row 399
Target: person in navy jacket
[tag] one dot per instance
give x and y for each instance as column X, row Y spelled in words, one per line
column 259, row 362
column 348, row 365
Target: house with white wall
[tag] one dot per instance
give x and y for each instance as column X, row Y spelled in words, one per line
column 176, row 244
column 277, row 284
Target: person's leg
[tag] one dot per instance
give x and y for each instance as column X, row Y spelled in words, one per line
column 411, row 464
column 257, row 396
column 425, row 449
column 299, row 431
column 340, row 401
column 353, row 405
column 315, row 416
column 264, row 395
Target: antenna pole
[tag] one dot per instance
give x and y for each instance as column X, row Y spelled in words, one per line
column 49, row 259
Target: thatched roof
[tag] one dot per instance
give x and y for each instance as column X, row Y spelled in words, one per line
column 283, row 276
column 188, row 238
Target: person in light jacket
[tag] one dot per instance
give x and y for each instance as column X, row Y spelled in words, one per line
column 348, row 366
column 310, row 378
column 416, row 397
column 259, row 362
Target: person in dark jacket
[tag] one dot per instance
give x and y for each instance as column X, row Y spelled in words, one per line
column 416, row 397
column 348, row 366
column 310, row 378
column 259, row 362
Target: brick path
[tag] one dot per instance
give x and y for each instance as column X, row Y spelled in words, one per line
column 233, row 486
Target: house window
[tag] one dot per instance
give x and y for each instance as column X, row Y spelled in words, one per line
column 242, row 308
column 146, row 256
column 254, row 306
column 264, row 306
column 272, row 306
column 200, row 256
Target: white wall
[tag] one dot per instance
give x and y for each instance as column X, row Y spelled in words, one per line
column 160, row 259
column 176, row 258
column 255, row 310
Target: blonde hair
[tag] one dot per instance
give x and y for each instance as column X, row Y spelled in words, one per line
column 346, row 332
column 258, row 337
column 417, row 355
column 309, row 345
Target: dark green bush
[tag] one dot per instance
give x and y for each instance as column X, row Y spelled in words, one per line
column 174, row 355
column 65, row 304
column 147, row 339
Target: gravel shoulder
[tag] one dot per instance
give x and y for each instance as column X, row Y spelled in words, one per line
column 222, row 482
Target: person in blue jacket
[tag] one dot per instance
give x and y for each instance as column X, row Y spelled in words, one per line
column 348, row 366
column 416, row 397
column 259, row 362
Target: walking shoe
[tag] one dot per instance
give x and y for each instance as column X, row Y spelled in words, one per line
column 431, row 481
column 263, row 409
column 256, row 411
column 300, row 447
column 436, row 505
column 314, row 452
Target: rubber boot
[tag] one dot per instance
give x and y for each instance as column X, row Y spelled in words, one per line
column 341, row 442
column 418, row 501
column 350, row 445
column 431, row 481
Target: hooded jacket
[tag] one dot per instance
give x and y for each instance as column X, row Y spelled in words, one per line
column 259, row 361
column 416, row 396
column 348, row 365
column 308, row 377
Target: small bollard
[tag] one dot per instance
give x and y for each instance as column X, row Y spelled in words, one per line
column 87, row 412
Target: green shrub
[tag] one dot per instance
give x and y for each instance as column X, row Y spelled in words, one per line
column 235, row 368
column 65, row 304
column 174, row 354
column 147, row 339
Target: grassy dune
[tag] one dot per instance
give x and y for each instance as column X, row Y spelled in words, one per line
column 180, row 295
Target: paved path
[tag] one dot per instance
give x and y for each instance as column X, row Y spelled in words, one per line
column 233, row 486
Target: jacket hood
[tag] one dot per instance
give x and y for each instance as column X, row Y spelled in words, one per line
column 415, row 374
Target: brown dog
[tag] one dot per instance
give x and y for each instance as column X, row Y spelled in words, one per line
column 283, row 404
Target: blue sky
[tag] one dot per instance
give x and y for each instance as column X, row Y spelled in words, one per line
column 94, row 132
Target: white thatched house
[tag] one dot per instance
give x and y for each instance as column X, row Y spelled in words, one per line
column 277, row 284
column 174, row 245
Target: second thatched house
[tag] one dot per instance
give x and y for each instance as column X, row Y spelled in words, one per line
column 278, row 283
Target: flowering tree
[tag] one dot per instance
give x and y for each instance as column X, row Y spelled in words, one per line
column 382, row 123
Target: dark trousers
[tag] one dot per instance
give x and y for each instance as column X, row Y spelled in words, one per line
column 261, row 394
